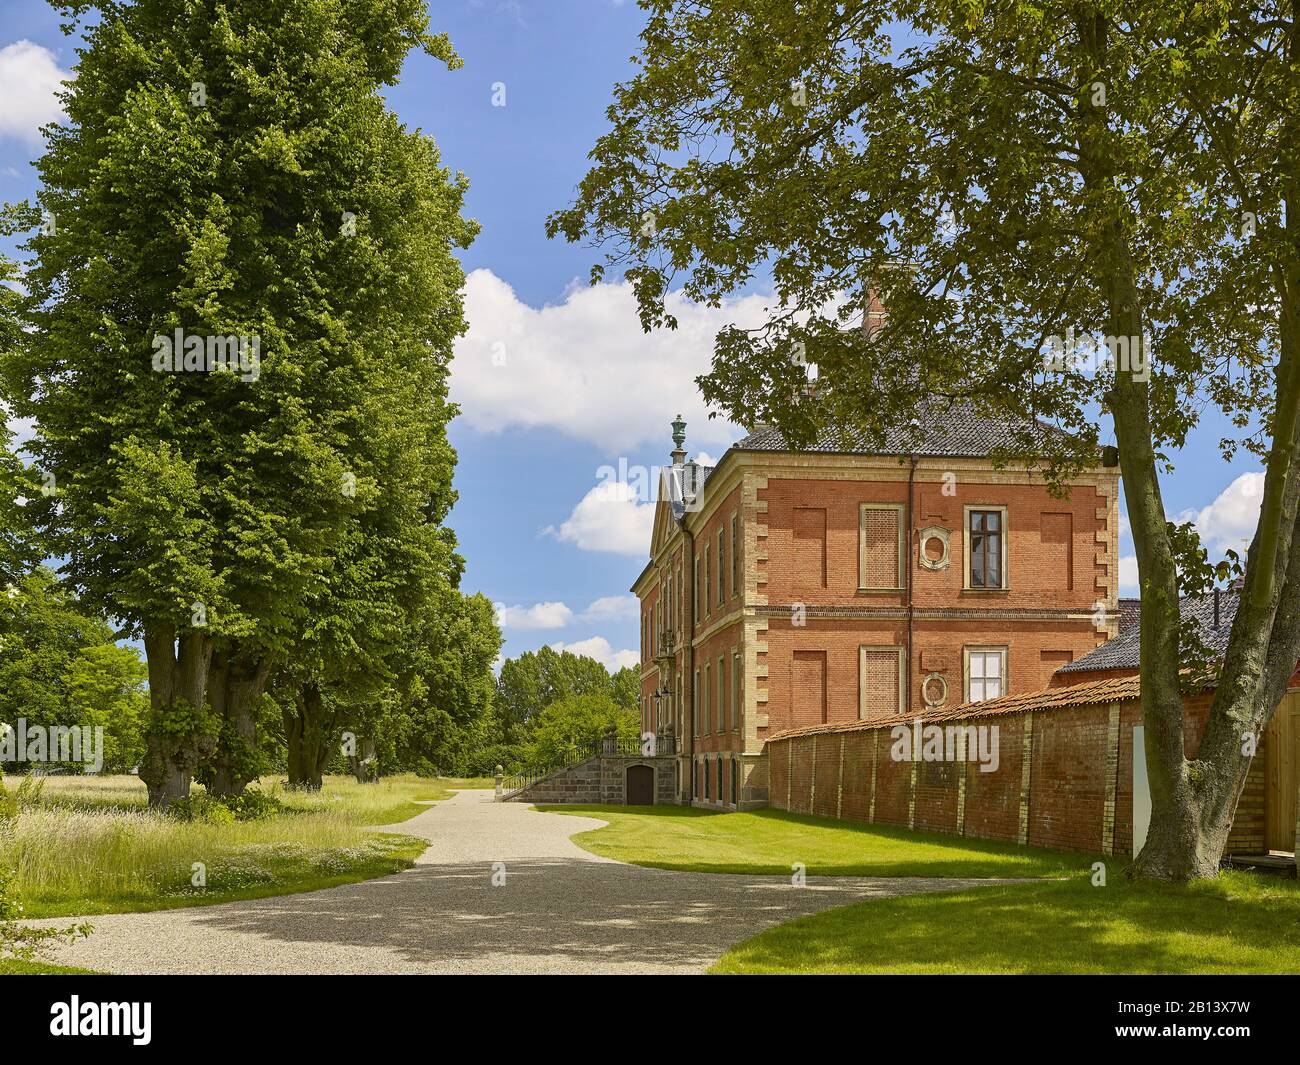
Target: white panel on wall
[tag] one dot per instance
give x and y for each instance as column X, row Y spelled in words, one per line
column 1141, row 791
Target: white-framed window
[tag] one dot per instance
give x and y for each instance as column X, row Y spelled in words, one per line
column 881, row 547
column 984, row 534
column 880, row 681
column 986, row 673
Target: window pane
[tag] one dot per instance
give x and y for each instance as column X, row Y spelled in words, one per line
column 993, row 688
column 977, row 521
column 977, row 561
column 992, row 664
column 994, row 561
column 992, row 521
column 976, row 664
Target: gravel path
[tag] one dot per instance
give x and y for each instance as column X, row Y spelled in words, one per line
column 560, row 910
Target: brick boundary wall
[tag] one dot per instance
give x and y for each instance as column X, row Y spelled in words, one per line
column 1064, row 779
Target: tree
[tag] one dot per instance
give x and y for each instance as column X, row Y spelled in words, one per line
column 1013, row 178
column 445, row 688
column 106, row 689
column 574, row 723
column 60, row 666
column 231, row 183
column 534, row 680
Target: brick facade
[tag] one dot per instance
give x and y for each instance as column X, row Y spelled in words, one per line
column 755, row 598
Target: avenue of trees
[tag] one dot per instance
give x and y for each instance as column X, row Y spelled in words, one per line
column 272, row 532
column 1005, row 177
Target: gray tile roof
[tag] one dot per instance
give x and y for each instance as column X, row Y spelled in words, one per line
column 942, row 429
column 1123, row 652
column 681, row 490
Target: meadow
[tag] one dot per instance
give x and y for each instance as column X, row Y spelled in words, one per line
column 90, row 845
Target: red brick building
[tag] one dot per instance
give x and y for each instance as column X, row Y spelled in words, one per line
column 788, row 589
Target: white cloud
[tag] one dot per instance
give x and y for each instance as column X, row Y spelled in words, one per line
column 1229, row 522
column 554, row 615
column 29, row 78
column 613, row 608
column 599, row 648
column 1128, row 576
column 538, row 616
column 585, row 367
column 608, row 518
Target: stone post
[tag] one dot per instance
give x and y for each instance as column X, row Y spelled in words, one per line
column 609, row 743
column 500, row 789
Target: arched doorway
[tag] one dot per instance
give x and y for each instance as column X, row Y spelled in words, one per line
column 640, row 785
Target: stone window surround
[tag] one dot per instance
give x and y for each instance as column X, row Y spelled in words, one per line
column 1003, row 539
column 966, row 651
column 900, row 509
column 862, row 666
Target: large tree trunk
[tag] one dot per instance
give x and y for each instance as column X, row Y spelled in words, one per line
column 235, row 685
column 365, row 763
column 308, row 733
column 1192, row 801
column 179, row 732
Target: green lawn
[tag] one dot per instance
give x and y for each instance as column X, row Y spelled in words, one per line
column 1241, row 923
column 13, row 967
column 89, row 845
column 769, row 841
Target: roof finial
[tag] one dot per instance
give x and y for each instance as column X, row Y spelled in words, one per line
column 679, row 440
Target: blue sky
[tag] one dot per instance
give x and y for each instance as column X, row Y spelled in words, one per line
column 555, row 378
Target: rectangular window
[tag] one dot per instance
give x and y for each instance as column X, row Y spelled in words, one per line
column 881, row 548
column 677, row 707
column 735, row 556
column 695, row 592
column 722, row 570
column 695, row 706
column 679, row 596
column 722, row 695
column 735, row 765
column 986, row 548
column 735, row 689
column 705, row 589
column 880, row 682
column 708, row 779
column 986, row 673
column 704, row 700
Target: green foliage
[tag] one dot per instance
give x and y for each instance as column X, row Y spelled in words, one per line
column 24, row 943
column 536, row 679
column 60, row 666
column 1011, row 181
column 251, row 805
column 241, row 175
column 573, row 724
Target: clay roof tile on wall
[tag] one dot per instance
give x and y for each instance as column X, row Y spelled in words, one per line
column 1111, row 690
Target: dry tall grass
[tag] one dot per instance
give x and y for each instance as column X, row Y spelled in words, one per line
column 92, row 840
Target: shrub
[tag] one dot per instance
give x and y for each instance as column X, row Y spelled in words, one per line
column 253, row 805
